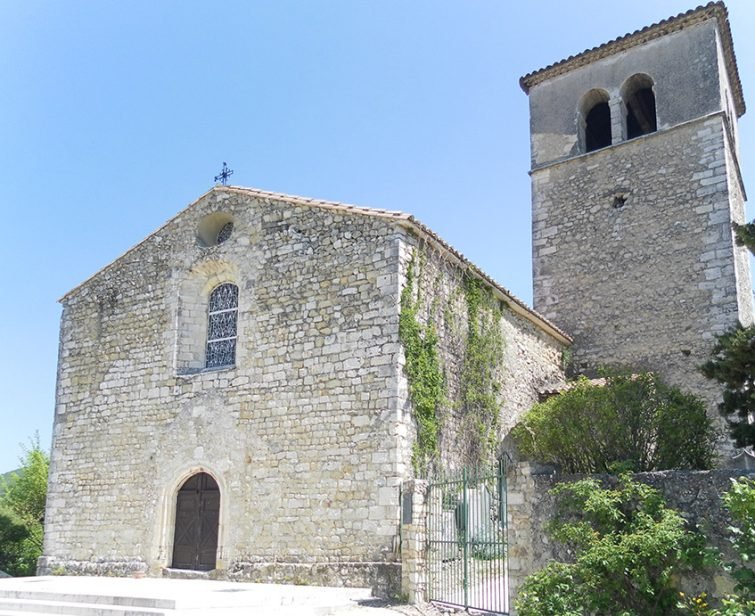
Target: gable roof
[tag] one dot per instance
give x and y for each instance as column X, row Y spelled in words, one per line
column 407, row 221
column 712, row 10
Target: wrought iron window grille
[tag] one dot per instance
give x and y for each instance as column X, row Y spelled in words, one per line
column 222, row 326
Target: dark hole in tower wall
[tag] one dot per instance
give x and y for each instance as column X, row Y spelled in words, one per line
column 598, row 127
column 641, row 113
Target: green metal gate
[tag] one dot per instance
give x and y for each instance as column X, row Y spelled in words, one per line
column 466, row 540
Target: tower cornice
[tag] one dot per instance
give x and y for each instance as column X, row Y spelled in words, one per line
column 712, row 10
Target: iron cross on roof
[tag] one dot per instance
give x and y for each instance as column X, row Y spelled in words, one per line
column 224, row 174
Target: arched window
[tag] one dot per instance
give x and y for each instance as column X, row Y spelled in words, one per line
column 639, row 102
column 222, row 322
column 595, row 120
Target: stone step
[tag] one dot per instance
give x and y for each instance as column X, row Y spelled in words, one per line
column 83, row 610
column 185, row 574
column 90, row 596
column 106, row 599
column 75, row 608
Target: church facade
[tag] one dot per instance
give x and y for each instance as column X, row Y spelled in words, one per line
column 232, row 392
column 232, row 398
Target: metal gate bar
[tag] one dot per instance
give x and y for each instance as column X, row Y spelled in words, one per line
column 467, row 540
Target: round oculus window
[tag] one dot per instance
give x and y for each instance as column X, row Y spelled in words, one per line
column 214, row 229
column 224, row 233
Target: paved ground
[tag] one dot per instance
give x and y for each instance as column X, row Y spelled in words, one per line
column 200, row 597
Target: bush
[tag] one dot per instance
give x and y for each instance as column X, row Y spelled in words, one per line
column 628, row 548
column 552, row 591
column 740, row 501
column 633, row 422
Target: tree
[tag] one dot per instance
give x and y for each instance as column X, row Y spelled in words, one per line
column 23, row 504
column 628, row 547
column 634, row 421
column 14, row 548
column 733, row 365
column 745, row 235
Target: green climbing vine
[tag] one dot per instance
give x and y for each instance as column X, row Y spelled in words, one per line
column 480, row 379
column 423, row 370
column 481, row 347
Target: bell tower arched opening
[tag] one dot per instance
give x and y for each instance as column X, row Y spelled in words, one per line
column 594, row 121
column 639, row 101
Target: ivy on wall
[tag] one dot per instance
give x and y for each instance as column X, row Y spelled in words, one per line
column 480, row 379
column 482, row 347
column 423, row 370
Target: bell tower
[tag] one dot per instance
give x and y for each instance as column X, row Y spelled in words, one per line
column 635, row 184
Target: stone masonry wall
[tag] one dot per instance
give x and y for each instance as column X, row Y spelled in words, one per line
column 697, row 494
column 309, row 435
column 301, row 434
column 742, row 269
column 648, row 283
column 531, row 362
column 682, row 65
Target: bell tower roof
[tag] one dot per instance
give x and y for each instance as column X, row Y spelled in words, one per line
column 712, row 10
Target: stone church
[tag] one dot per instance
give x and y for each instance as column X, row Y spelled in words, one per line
column 232, row 392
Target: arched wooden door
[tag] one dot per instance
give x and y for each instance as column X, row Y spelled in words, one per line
column 195, row 543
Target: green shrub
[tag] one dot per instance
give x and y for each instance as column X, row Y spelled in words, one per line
column 552, row 591
column 740, row 501
column 627, row 545
column 633, row 422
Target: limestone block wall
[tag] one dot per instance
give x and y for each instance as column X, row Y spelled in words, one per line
column 414, row 511
column 741, row 256
column 532, row 357
column 687, row 71
column 301, row 434
column 309, row 432
column 647, row 281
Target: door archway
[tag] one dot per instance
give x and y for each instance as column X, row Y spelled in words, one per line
column 195, row 542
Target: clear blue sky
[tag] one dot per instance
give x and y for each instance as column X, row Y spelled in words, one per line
column 115, row 115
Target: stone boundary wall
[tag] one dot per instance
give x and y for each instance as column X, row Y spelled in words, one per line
column 697, row 494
